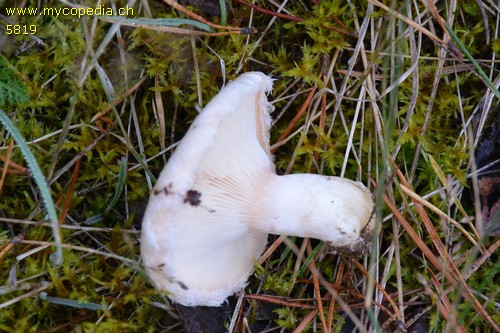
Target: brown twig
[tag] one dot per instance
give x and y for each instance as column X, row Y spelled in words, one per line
column 297, row 117
column 201, row 19
column 270, row 12
column 451, row 45
column 15, row 168
column 299, row 19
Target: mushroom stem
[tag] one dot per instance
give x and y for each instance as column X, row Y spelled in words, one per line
column 335, row 210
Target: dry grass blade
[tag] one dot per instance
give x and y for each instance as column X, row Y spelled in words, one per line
column 412, row 23
column 70, row 227
column 415, row 237
column 160, row 111
column 305, row 322
column 338, row 281
column 271, row 249
column 482, row 259
column 175, row 30
column 14, row 167
column 450, row 270
column 314, row 273
column 418, row 199
column 127, row 261
column 379, row 287
column 285, row 301
column 34, row 292
column 7, row 246
column 448, row 311
column 131, row 90
column 322, row 119
column 69, row 194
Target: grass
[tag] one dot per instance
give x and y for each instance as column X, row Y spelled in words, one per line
column 396, row 95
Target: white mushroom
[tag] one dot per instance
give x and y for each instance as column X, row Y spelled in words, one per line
column 219, row 197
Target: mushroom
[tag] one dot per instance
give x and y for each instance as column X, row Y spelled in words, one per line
column 218, row 198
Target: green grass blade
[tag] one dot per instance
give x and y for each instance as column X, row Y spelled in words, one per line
column 160, row 22
column 223, row 12
column 41, row 183
column 478, row 68
column 120, row 185
column 72, row 303
column 310, row 258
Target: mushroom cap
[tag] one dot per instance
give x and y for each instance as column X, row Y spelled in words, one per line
column 196, row 243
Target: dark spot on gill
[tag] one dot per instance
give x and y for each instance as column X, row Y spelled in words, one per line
column 182, row 285
column 193, row 197
column 163, row 190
